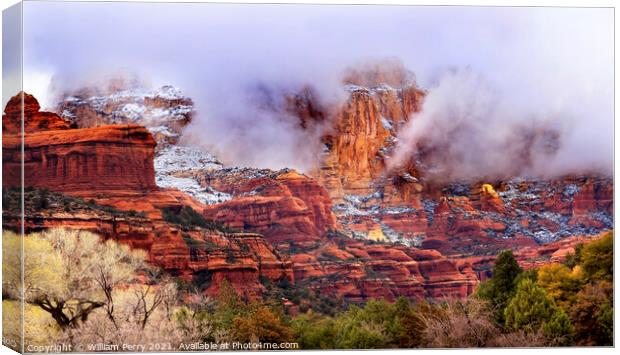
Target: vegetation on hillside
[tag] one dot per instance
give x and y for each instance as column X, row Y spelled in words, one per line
column 43, row 200
column 187, row 218
column 79, row 289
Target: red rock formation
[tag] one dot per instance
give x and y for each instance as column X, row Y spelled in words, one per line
column 293, row 212
column 479, row 219
column 203, row 256
column 34, row 120
column 281, row 219
column 364, row 132
column 284, row 206
column 553, row 252
column 383, row 96
column 359, row 271
column 95, row 159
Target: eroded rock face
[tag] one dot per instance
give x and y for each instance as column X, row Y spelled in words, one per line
column 34, row 120
column 364, row 130
column 283, row 205
column 94, row 159
column 358, row 271
column 293, row 212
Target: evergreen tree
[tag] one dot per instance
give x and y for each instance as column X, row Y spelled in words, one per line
column 501, row 287
column 597, row 259
column 532, row 310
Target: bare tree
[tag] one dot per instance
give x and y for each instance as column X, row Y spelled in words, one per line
column 70, row 273
column 459, row 324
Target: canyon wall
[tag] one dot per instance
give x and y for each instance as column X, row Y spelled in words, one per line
column 94, row 159
column 111, row 167
column 362, row 137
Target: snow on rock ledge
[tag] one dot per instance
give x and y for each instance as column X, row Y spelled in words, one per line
column 180, row 167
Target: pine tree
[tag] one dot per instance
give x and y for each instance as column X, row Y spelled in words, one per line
column 501, row 287
column 532, row 310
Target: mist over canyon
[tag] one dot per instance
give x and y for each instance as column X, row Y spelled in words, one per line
column 510, row 91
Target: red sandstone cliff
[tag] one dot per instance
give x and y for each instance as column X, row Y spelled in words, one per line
column 29, row 113
column 284, row 205
column 113, row 166
column 94, row 159
column 382, row 98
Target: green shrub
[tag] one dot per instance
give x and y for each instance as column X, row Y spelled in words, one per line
column 187, row 218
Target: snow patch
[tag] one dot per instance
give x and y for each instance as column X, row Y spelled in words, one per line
column 387, row 123
column 172, row 160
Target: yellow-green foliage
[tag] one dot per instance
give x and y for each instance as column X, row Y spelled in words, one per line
column 67, row 273
column 597, row 258
column 12, row 324
column 560, row 282
column 43, row 267
column 582, row 288
column 39, row 328
column 11, row 264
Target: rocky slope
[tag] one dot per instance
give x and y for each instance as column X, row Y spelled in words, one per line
column 163, row 111
column 294, row 213
column 283, row 205
column 358, row 270
column 475, row 219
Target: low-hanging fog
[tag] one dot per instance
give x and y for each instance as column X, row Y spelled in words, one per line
column 488, row 71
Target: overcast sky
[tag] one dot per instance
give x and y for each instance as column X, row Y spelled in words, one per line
column 536, row 60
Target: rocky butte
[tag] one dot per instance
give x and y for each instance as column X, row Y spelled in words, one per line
column 102, row 179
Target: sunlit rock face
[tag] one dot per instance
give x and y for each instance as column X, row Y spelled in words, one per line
column 381, row 98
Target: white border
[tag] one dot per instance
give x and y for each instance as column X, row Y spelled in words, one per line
column 506, row 3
